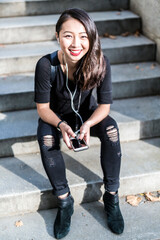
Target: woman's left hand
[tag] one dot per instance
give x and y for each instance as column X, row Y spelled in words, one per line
column 85, row 132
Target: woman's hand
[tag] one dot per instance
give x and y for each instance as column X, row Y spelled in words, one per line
column 67, row 132
column 85, row 132
column 98, row 115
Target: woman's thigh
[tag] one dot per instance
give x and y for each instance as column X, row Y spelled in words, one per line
column 107, row 127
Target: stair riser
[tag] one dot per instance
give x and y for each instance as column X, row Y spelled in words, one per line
column 27, row 34
column 15, row 146
column 128, row 132
column 49, row 7
column 117, row 27
column 31, row 202
column 115, row 55
column 130, row 54
column 18, row 64
column 22, row 101
column 19, row 101
column 139, row 184
column 136, row 88
column 139, row 130
column 47, row 33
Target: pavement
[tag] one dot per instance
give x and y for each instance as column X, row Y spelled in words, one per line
column 88, row 223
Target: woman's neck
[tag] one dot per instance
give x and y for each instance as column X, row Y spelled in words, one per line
column 71, row 67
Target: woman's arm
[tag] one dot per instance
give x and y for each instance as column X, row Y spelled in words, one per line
column 98, row 115
column 47, row 115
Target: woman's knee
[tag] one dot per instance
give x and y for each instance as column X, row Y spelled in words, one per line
column 48, row 135
column 111, row 140
column 112, row 133
column 49, row 142
column 112, row 130
column 109, row 129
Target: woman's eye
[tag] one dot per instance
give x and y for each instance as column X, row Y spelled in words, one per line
column 68, row 36
column 84, row 37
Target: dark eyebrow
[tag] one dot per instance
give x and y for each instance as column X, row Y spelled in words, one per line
column 72, row 32
column 83, row 32
column 66, row 32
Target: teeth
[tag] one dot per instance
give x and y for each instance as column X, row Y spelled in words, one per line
column 75, row 50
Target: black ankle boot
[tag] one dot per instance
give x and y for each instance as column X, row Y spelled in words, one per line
column 114, row 217
column 63, row 218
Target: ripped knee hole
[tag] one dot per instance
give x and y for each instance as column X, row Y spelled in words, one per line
column 112, row 133
column 49, row 140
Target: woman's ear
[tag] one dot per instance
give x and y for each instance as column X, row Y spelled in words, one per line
column 57, row 37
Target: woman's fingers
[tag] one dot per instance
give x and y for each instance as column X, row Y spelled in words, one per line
column 70, row 132
column 67, row 132
column 67, row 142
column 81, row 135
column 85, row 133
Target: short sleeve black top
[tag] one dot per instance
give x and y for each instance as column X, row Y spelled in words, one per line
column 57, row 94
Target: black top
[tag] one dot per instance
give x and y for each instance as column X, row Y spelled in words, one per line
column 57, row 93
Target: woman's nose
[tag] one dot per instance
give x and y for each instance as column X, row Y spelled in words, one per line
column 76, row 42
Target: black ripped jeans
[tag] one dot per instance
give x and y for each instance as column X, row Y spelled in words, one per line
column 53, row 162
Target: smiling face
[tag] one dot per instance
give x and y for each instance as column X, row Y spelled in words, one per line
column 73, row 40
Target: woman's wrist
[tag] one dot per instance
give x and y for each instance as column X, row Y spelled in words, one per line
column 88, row 123
column 61, row 122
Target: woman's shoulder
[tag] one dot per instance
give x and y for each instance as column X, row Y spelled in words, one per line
column 48, row 60
column 43, row 62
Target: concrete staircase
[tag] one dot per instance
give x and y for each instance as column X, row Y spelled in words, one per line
column 27, row 32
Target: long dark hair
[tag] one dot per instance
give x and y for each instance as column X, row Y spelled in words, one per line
column 92, row 67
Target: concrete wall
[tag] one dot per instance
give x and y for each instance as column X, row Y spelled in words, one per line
column 149, row 11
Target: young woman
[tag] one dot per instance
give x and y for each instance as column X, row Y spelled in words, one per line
column 67, row 104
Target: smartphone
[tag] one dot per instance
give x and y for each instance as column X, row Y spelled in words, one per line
column 78, row 144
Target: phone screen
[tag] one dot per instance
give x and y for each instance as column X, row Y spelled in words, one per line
column 78, row 144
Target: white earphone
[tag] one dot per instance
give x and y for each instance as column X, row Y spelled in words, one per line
column 73, row 95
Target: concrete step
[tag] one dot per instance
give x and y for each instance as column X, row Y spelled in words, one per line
column 18, row 58
column 9, row 8
column 25, row 186
column 138, row 118
column 138, row 79
column 42, row 28
column 88, row 223
column 17, row 92
column 135, row 79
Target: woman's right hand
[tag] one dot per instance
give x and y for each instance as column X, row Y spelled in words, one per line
column 67, row 132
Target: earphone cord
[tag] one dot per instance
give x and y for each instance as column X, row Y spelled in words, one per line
column 72, row 96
